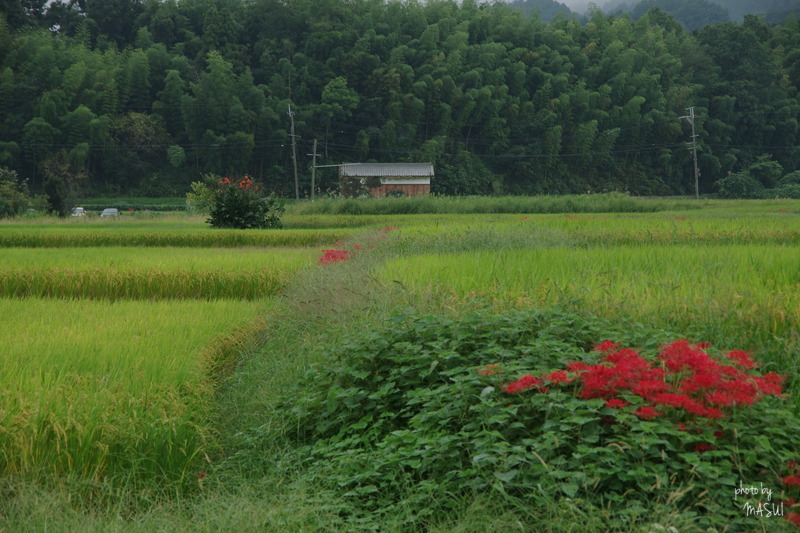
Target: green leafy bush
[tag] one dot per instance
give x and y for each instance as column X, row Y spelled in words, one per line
column 410, row 420
column 740, row 185
column 241, row 204
column 201, row 198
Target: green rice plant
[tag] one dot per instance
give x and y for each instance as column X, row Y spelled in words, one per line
column 740, row 294
column 150, row 273
column 118, row 391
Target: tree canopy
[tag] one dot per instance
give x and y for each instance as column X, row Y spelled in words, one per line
column 144, row 96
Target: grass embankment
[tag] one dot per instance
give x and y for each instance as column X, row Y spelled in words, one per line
column 595, row 203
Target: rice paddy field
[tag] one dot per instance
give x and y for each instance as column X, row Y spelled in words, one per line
column 147, row 360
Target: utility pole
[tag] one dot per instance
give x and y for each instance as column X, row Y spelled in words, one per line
column 294, row 156
column 313, row 170
column 690, row 118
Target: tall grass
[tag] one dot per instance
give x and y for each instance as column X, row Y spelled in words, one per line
column 595, row 203
column 112, row 390
column 150, row 273
column 453, row 233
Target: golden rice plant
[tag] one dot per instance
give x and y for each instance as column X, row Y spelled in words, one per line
column 150, row 273
column 113, row 390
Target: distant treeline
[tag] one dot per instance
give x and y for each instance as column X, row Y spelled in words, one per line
column 144, row 96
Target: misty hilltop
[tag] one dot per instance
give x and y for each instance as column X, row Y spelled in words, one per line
column 693, row 14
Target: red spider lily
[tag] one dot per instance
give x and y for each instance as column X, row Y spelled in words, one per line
column 648, row 388
column 647, row 412
column 577, row 367
column 703, row 447
column 489, row 370
column 606, row 346
column 792, row 480
column 769, row 384
column 690, row 380
column 682, row 401
column 741, row 358
column 793, row 518
column 333, row 256
column 389, row 228
column 792, row 465
column 525, row 382
column 202, row 475
column 560, row 376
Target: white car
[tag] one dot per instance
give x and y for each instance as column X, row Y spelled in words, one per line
column 110, row 212
column 78, row 212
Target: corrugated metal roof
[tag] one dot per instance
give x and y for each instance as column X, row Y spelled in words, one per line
column 360, row 170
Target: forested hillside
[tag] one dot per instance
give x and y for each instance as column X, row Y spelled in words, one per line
column 547, row 10
column 143, row 96
column 695, row 14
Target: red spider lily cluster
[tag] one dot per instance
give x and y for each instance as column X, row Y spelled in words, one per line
column 338, row 256
column 333, row 256
column 685, row 379
column 792, row 480
column 683, row 382
column 794, row 477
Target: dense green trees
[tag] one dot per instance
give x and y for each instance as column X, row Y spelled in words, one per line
column 144, row 96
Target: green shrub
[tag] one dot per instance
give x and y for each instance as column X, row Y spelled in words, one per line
column 792, row 178
column 790, row 190
column 241, row 204
column 740, row 185
column 788, row 186
column 409, row 421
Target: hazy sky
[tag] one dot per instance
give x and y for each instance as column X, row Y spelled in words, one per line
column 579, row 6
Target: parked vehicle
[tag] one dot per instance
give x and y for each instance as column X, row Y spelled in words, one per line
column 78, row 212
column 110, row 212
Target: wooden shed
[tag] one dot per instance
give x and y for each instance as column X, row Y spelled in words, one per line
column 386, row 179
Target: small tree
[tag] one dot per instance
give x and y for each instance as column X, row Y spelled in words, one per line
column 241, row 204
column 13, row 194
column 788, row 186
column 201, row 199
column 766, row 170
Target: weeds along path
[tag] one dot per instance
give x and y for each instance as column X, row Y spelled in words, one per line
column 321, row 304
